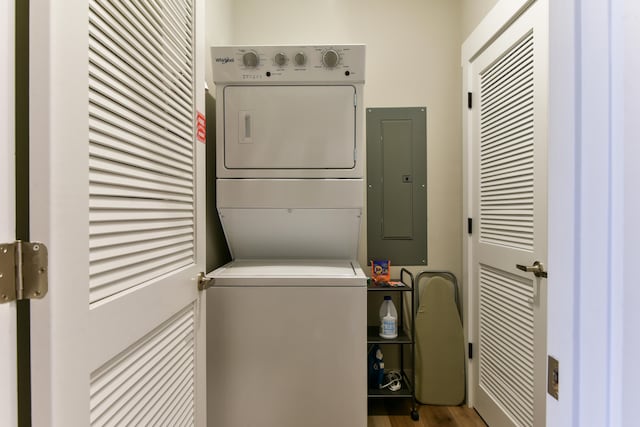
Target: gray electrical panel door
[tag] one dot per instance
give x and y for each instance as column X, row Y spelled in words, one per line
column 396, row 183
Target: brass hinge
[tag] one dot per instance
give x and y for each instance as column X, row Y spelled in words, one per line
column 23, row 271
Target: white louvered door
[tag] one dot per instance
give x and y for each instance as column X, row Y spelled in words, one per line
column 118, row 196
column 510, row 210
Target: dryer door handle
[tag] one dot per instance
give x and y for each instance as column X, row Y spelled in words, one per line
column 245, row 127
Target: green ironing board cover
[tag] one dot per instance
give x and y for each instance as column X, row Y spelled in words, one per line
column 440, row 370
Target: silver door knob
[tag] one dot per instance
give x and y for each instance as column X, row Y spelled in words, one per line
column 537, row 269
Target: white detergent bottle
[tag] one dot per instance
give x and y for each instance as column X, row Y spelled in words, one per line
column 388, row 319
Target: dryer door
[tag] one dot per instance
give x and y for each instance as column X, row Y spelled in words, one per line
column 289, row 127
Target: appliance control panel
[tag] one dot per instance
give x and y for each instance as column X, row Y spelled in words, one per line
column 278, row 64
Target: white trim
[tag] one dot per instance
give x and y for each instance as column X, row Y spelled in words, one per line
column 625, row 207
column 562, row 178
column 626, row 92
column 7, row 120
column 594, row 213
column 498, row 18
column 617, row 98
column 594, row 206
column 468, row 294
column 8, row 385
column 201, row 227
column 582, row 246
column 58, row 149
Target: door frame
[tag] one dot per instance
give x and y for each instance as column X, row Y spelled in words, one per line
column 593, row 228
column 8, row 320
column 594, row 206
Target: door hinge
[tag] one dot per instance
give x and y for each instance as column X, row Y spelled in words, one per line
column 470, row 350
column 469, row 225
column 469, row 100
column 23, row 271
column 205, row 282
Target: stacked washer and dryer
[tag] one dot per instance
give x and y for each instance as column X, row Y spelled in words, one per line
column 286, row 319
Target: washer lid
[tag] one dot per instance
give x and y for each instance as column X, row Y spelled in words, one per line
column 282, row 272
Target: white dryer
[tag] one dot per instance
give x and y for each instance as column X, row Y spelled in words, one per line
column 289, row 151
column 287, row 317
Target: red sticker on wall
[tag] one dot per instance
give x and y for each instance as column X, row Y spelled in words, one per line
column 201, row 127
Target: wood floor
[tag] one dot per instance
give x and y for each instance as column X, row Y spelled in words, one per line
column 390, row 414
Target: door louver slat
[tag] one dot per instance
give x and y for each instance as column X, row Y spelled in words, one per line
column 134, row 274
column 518, row 85
column 133, row 119
column 143, row 183
column 506, row 342
column 510, row 59
column 512, row 102
column 110, row 190
column 141, row 236
column 180, row 34
column 116, row 203
column 102, row 165
column 120, row 65
column 136, row 153
column 120, row 16
column 507, row 149
column 118, row 37
column 137, row 385
column 517, row 138
column 130, row 101
column 141, row 118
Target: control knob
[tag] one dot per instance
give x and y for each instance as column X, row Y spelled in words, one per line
column 280, row 59
column 300, row 59
column 250, row 59
column 330, row 58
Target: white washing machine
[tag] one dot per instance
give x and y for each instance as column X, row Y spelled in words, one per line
column 286, row 319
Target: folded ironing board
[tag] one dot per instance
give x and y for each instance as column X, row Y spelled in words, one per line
column 440, row 361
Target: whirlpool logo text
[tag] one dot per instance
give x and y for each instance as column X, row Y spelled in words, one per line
column 224, row 60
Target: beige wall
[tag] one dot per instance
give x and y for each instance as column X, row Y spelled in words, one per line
column 472, row 13
column 218, row 30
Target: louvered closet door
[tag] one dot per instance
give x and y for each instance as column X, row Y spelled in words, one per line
column 120, row 338
column 509, row 200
